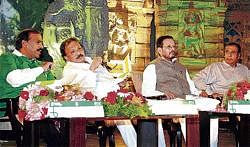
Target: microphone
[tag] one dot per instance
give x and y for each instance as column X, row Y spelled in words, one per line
column 44, row 55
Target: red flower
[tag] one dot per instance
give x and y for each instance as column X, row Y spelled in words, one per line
column 239, row 94
column 111, row 97
column 89, row 96
column 42, row 117
column 45, row 110
column 24, row 95
column 21, row 114
column 44, row 92
column 229, row 93
column 128, row 98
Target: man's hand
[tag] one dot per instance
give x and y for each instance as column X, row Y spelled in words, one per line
column 170, row 95
column 96, row 62
column 47, row 65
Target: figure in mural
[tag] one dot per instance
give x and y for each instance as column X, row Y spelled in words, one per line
column 119, row 40
column 193, row 33
column 122, row 28
column 64, row 19
column 84, row 20
column 96, row 30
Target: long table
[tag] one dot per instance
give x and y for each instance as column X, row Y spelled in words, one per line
column 243, row 127
column 77, row 130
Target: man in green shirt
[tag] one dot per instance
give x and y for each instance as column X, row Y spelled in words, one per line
column 20, row 68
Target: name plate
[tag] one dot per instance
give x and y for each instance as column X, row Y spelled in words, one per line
column 239, row 106
column 163, row 107
column 69, row 109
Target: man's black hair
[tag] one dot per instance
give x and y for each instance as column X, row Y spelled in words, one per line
column 24, row 35
column 236, row 45
column 65, row 43
column 159, row 42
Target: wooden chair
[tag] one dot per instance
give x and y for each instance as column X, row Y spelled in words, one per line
column 11, row 111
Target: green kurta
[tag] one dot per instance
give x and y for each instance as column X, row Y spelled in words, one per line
column 10, row 62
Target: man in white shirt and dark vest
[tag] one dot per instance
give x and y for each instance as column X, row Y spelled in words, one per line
column 166, row 78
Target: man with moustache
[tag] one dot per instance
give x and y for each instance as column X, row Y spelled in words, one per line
column 90, row 74
column 164, row 75
column 20, row 68
column 82, row 70
column 216, row 79
column 167, row 78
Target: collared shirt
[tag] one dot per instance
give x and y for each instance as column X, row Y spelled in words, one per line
column 218, row 77
column 149, row 83
column 17, row 71
column 100, row 81
column 19, row 77
column 78, row 73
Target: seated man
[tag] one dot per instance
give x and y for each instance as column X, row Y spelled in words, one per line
column 90, row 74
column 164, row 76
column 20, row 68
column 216, row 78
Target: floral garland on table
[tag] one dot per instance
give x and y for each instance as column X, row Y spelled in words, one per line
column 74, row 93
column 33, row 102
column 34, row 99
column 128, row 104
column 238, row 91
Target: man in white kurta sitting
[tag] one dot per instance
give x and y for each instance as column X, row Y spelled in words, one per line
column 91, row 75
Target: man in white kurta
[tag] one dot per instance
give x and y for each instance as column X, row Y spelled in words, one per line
column 100, row 81
column 91, row 75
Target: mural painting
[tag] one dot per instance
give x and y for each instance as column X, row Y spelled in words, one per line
column 191, row 35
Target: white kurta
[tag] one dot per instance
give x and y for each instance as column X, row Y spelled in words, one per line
column 100, row 82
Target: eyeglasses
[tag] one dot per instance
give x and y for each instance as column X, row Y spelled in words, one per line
column 169, row 47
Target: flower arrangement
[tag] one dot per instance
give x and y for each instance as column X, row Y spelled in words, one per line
column 239, row 91
column 125, row 104
column 34, row 99
column 33, row 102
column 74, row 93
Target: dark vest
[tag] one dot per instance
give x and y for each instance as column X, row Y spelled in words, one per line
column 171, row 76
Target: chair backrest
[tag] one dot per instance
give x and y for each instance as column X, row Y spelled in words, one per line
column 11, row 111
